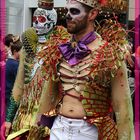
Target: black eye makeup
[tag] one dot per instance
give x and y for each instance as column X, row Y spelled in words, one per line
column 74, row 11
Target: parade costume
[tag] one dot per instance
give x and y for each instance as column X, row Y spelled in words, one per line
column 71, row 65
column 90, row 74
column 94, row 85
column 31, row 76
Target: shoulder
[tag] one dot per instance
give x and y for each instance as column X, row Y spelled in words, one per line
column 14, row 62
column 62, row 33
column 60, row 28
column 98, row 44
column 58, row 36
column 11, row 61
column 30, row 39
column 12, row 65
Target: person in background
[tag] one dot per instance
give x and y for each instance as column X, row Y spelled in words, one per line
column 8, row 39
column 12, row 64
column 129, row 58
column 128, row 55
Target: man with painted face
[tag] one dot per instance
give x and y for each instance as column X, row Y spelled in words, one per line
column 39, row 43
column 91, row 82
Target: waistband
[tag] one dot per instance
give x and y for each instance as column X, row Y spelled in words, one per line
column 70, row 121
column 76, row 118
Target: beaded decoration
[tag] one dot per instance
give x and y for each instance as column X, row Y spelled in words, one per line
column 109, row 5
column 46, row 4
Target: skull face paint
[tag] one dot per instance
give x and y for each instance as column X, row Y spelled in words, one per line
column 75, row 10
column 76, row 17
column 44, row 20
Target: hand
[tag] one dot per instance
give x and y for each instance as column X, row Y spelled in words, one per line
column 37, row 121
column 8, row 126
column 5, row 129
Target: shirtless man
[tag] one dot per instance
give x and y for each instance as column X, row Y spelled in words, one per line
column 92, row 83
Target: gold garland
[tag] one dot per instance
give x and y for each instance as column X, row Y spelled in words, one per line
column 116, row 6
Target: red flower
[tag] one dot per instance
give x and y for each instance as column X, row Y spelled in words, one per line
column 103, row 2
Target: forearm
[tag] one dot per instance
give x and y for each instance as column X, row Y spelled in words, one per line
column 122, row 104
column 124, row 119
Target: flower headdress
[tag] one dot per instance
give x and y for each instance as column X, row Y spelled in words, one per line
column 110, row 5
column 94, row 3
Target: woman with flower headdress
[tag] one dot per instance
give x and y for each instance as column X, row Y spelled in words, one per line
column 89, row 82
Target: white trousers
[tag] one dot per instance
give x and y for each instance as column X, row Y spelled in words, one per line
column 72, row 129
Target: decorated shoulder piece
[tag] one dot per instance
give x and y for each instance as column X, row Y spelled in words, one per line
column 113, row 54
column 116, row 37
column 30, row 42
column 30, row 39
column 51, row 54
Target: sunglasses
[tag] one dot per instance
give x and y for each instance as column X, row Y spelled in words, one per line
column 41, row 19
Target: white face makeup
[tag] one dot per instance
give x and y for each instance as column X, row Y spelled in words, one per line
column 44, row 20
column 75, row 10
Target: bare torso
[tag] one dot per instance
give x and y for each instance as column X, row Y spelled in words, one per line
column 72, row 107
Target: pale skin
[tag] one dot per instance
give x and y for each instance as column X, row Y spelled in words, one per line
column 122, row 102
column 72, row 107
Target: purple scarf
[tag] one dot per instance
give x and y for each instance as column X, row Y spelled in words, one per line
column 74, row 54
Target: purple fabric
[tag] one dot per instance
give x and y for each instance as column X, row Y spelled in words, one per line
column 46, row 121
column 74, row 54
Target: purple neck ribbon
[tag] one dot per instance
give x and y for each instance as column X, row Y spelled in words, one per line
column 74, row 54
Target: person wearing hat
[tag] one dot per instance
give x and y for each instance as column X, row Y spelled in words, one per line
column 91, row 83
column 38, row 44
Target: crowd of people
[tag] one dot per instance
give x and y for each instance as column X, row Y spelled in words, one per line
column 74, row 83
